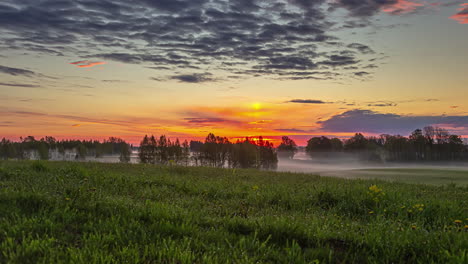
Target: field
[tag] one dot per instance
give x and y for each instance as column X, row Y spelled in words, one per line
column 58, row 212
column 432, row 176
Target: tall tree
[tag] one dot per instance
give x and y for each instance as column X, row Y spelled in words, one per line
column 125, row 153
column 319, row 144
column 147, row 153
column 287, row 148
column 357, row 143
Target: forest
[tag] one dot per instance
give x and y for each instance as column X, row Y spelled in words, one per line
column 427, row 144
column 47, row 146
column 215, row 152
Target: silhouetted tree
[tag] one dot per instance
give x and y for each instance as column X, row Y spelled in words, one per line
column 357, row 143
column 287, row 148
column 336, row 144
column 319, row 144
column 185, row 153
column 147, row 153
column 125, row 153
column 215, row 150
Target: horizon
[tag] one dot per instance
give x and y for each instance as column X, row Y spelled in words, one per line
column 275, row 140
column 296, row 68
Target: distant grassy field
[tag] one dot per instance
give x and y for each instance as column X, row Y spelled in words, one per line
column 433, row 176
column 58, row 212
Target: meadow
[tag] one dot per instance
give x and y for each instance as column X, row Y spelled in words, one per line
column 424, row 175
column 67, row 212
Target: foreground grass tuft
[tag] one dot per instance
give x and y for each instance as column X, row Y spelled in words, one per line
column 58, row 212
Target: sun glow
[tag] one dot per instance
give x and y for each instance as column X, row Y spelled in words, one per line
column 256, row 106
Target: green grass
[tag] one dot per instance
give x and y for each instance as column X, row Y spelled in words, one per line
column 410, row 175
column 58, row 212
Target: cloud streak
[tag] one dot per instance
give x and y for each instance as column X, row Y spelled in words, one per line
column 87, row 63
column 367, row 8
column 194, row 78
column 24, row 85
column 306, row 101
column 462, row 15
column 16, row 71
column 402, row 7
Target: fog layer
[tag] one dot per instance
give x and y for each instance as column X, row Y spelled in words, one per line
column 345, row 164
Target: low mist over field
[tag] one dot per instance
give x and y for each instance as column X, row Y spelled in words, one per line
column 332, row 162
column 351, row 167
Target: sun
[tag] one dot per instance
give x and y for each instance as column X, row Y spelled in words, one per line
column 256, row 106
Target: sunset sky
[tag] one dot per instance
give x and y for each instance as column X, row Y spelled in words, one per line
column 183, row 68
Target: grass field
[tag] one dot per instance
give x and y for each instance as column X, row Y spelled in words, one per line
column 57, row 212
column 432, row 176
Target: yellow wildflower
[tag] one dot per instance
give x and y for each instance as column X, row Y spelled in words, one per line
column 457, row 221
column 375, row 189
column 255, row 188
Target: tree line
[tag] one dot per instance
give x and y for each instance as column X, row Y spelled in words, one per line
column 215, row 151
column 427, row 144
column 45, row 147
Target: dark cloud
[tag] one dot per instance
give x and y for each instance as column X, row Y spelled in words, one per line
column 366, row 8
column 375, row 122
column 289, row 62
column 20, row 85
column 307, row 101
column 370, row 66
column 290, row 130
column 209, row 121
column 383, row 104
column 157, row 79
column 361, row 73
column 16, row 71
column 356, row 24
column 204, row 120
column 362, row 8
column 361, row 48
column 114, row 81
column 340, row 60
column 194, row 78
column 248, row 37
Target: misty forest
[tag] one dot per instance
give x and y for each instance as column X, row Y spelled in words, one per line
column 428, row 144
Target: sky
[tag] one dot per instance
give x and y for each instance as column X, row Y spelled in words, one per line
column 184, row 68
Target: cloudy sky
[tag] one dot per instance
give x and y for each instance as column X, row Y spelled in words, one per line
column 92, row 69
